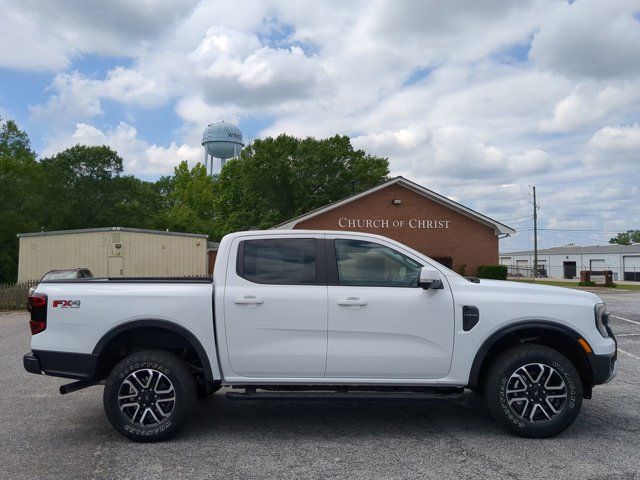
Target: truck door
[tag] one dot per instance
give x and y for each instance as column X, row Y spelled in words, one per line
column 381, row 325
column 275, row 307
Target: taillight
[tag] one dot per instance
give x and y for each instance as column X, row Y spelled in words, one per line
column 37, row 306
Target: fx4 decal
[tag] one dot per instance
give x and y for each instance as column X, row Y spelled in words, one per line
column 66, row 303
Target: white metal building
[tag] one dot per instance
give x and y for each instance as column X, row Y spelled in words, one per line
column 113, row 252
column 567, row 262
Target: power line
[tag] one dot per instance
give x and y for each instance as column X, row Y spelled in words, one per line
column 589, row 180
column 561, row 217
column 607, row 199
column 515, row 218
column 522, row 223
column 608, row 180
column 597, row 211
column 493, row 195
column 569, row 230
column 577, row 230
column 564, row 234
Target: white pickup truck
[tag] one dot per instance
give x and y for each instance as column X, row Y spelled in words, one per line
column 321, row 315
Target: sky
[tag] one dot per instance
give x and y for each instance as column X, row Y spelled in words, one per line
column 475, row 100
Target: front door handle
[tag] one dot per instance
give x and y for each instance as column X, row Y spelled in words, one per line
column 248, row 300
column 352, row 302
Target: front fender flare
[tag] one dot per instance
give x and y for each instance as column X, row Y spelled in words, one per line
column 481, row 354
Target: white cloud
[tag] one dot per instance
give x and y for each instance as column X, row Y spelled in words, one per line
column 592, row 102
column 617, row 139
column 590, row 38
column 530, row 161
column 465, row 97
column 140, row 157
column 615, row 147
column 196, row 111
column 47, row 34
column 451, row 152
column 234, row 68
column 442, row 30
column 25, row 45
column 133, row 88
column 75, row 98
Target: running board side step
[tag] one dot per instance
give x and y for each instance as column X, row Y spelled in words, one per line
column 332, row 395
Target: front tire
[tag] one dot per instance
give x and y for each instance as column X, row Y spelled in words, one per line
column 148, row 395
column 534, row 391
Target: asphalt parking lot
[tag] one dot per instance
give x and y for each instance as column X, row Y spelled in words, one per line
column 47, row 435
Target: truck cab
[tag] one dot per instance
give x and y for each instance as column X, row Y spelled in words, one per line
column 331, row 306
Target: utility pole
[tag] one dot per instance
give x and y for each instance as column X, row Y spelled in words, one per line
column 535, row 233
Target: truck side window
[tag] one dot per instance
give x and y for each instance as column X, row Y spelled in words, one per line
column 287, row 261
column 372, row 265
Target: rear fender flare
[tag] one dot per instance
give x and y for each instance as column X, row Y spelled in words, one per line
column 162, row 324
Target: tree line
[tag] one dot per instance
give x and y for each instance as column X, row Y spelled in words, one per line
column 274, row 179
column 626, row 238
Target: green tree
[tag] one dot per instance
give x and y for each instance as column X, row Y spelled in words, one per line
column 626, row 238
column 87, row 188
column 84, row 186
column 278, row 178
column 135, row 203
column 189, row 199
column 21, row 198
column 80, row 183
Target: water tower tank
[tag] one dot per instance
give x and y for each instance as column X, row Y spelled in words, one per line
column 221, row 140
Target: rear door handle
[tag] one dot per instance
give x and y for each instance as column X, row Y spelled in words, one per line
column 248, row 300
column 352, row 302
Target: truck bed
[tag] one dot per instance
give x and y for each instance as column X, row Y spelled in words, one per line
column 133, row 280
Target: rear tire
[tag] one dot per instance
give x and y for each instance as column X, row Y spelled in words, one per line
column 534, row 391
column 148, row 395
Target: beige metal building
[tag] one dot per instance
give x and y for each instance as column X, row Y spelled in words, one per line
column 113, row 252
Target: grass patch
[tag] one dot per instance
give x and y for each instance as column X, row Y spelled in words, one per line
column 571, row 284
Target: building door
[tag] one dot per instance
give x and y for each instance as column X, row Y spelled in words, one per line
column 632, row 268
column 381, row 324
column 115, row 266
column 569, row 270
column 597, row 266
column 275, row 308
column 522, row 269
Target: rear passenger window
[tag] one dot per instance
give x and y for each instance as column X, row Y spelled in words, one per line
column 290, row 261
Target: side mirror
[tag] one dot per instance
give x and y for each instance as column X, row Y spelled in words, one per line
column 430, row 279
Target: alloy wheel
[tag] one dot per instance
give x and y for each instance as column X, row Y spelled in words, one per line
column 146, row 397
column 536, row 393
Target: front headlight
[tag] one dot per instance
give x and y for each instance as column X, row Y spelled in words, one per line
column 602, row 319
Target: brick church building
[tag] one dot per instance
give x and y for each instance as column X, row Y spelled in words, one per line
column 448, row 232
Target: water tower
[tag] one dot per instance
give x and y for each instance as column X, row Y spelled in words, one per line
column 221, row 140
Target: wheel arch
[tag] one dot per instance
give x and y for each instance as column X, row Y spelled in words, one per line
column 555, row 335
column 171, row 330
